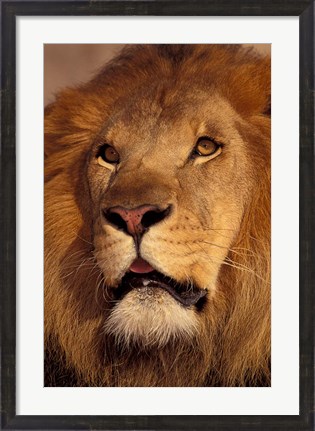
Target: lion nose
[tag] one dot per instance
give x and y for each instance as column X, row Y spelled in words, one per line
column 135, row 221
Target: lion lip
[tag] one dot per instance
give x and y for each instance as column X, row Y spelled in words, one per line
column 184, row 294
column 141, row 266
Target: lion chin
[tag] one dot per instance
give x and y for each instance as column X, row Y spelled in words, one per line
column 149, row 317
column 157, row 222
column 152, row 309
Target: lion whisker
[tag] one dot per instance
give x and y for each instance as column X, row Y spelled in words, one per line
column 234, row 250
column 84, row 240
column 231, row 263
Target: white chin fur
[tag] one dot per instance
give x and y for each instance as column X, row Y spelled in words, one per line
column 150, row 317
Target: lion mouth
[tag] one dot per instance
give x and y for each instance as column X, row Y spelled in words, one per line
column 185, row 294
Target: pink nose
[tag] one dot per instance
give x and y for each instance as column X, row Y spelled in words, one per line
column 135, row 221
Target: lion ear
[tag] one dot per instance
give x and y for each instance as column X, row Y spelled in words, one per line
column 264, row 86
column 57, row 123
column 48, row 138
column 250, row 87
column 267, row 110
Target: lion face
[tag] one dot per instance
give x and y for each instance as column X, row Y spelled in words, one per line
column 168, row 197
column 157, row 213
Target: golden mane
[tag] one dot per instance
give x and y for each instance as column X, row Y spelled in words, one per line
column 233, row 345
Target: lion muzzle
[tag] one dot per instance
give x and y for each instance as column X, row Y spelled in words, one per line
column 135, row 221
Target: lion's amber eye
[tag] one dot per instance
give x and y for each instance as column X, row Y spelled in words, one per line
column 108, row 154
column 205, row 147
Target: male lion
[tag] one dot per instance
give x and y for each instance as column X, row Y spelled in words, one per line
column 157, row 221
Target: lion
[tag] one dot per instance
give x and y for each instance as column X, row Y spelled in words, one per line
column 157, row 221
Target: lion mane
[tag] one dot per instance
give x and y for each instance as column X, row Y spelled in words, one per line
column 187, row 128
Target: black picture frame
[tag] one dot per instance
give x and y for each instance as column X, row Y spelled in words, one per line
column 304, row 9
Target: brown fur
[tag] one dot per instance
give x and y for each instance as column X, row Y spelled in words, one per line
column 230, row 89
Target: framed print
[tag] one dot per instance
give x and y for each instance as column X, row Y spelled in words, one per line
column 146, row 282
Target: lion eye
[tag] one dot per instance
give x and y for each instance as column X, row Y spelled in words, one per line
column 205, row 147
column 108, row 154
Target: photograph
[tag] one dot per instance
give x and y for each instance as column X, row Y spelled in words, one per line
column 157, row 226
column 157, row 215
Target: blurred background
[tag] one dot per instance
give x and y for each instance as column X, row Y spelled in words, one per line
column 70, row 64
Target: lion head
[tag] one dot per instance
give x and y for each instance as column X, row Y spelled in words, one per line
column 157, row 221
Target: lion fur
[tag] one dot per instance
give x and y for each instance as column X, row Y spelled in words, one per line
column 232, row 347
